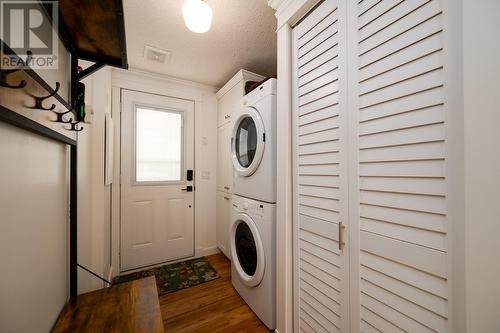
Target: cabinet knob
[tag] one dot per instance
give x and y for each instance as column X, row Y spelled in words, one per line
column 227, row 198
column 226, row 187
column 227, row 116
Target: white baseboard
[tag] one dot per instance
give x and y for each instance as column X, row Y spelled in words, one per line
column 198, row 253
column 109, row 276
column 206, row 251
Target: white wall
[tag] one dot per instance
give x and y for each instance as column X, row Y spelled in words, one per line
column 101, row 194
column 34, row 236
column 481, row 57
column 94, row 198
column 205, row 150
column 84, row 250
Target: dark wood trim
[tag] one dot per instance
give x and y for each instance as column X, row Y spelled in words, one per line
column 90, row 70
column 121, row 33
column 74, row 81
column 62, row 29
column 64, row 35
column 73, row 226
column 18, row 120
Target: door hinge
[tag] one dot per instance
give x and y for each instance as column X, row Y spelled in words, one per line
column 341, row 236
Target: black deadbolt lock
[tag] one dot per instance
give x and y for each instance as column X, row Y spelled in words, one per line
column 189, row 176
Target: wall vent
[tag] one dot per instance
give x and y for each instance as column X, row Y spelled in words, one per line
column 157, row 55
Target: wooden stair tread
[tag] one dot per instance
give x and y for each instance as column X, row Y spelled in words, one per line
column 125, row 307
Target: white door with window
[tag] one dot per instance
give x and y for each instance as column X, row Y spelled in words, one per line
column 157, row 179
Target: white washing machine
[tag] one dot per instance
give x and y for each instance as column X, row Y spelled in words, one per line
column 253, row 250
column 253, row 145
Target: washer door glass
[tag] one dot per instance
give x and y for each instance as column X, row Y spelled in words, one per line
column 246, row 249
column 246, row 142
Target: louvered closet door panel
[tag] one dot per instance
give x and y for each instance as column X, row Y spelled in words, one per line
column 401, row 151
column 321, row 272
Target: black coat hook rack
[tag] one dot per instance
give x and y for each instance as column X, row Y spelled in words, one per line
column 74, row 127
column 29, row 56
column 39, row 100
column 60, row 117
column 4, row 73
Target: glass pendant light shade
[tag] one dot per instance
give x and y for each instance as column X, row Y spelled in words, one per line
column 197, row 15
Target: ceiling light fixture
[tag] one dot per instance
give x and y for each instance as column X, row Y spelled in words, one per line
column 197, row 15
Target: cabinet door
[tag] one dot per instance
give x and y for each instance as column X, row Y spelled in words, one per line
column 223, row 220
column 321, row 271
column 224, row 164
column 220, row 159
column 399, row 116
column 224, row 112
column 229, row 103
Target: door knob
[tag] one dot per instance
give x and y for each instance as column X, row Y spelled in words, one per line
column 187, row 189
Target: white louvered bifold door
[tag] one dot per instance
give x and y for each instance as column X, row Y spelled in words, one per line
column 398, row 105
column 320, row 181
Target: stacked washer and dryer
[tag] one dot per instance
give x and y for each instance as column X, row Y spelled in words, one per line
column 253, row 223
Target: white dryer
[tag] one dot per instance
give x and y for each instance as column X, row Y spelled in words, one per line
column 253, row 250
column 253, row 145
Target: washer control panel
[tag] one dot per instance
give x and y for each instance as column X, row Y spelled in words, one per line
column 254, row 209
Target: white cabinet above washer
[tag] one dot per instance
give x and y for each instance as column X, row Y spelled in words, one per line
column 230, row 95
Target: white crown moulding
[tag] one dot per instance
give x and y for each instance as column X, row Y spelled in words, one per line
column 274, row 4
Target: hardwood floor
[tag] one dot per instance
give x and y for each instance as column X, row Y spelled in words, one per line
column 209, row 307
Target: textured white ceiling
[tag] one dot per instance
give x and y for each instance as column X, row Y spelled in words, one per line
column 242, row 36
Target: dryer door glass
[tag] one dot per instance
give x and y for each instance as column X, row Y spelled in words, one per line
column 245, row 248
column 246, row 142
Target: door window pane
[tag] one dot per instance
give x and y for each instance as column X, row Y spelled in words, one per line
column 246, row 142
column 159, row 145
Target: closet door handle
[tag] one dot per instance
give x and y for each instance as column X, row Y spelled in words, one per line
column 227, row 198
column 341, row 236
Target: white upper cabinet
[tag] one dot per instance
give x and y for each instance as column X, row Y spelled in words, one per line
column 231, row 94
column 227, row 105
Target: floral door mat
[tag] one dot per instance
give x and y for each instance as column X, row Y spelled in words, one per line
column 173, row 277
